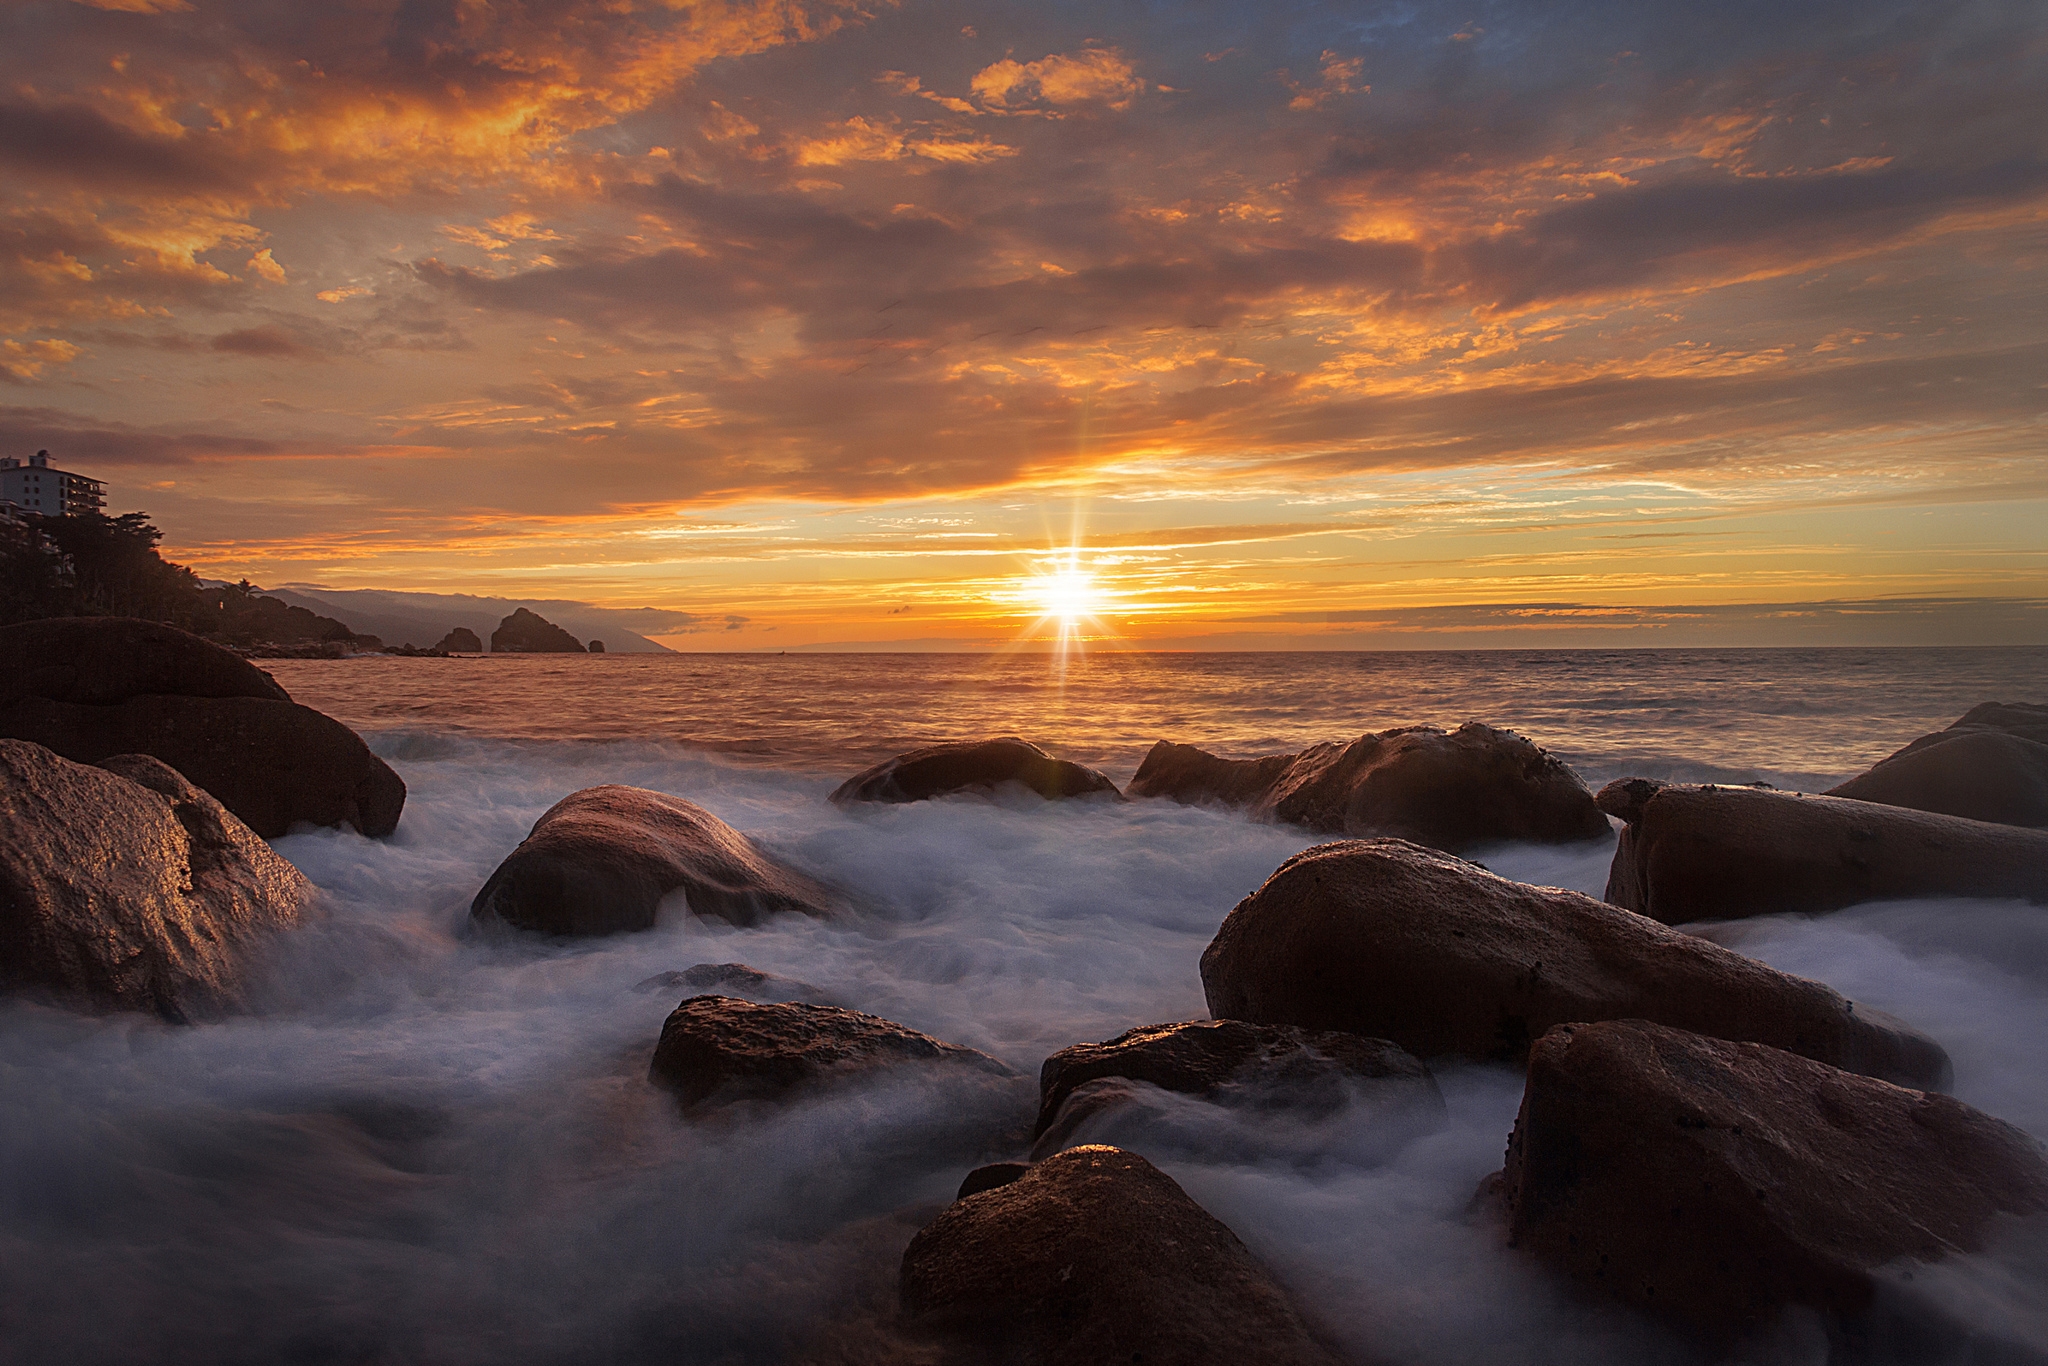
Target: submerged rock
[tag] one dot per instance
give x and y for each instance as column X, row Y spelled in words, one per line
column 1715, row 1182
column 1475, row 785
column 734, row 979
column 1097, row 1256
column 528, row 633
column 1201, row 1057
column 461, row 640
column 1389, row 939
column 1992, row 765
column 1720, row 853
column 716, row 1048
column 89, row 688
column 126, row 887
column 600, row 861
column 964, row 766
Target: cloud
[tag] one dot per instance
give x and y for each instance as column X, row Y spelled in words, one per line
column 1094, row 76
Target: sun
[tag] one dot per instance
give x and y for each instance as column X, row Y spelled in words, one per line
column 1067, row 594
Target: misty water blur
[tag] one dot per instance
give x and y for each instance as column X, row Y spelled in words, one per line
column 436, row 1145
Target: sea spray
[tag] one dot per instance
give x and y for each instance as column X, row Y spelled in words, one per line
column 437, row 1144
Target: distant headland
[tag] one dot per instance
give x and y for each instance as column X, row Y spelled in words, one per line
column 61, row 556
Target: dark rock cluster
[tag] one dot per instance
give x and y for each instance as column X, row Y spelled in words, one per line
column 1450, row 790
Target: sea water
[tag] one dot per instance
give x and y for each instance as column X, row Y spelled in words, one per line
column 430, row 1144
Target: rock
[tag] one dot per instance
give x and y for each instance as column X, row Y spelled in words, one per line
column 2028, row 720
column 937, row 770
column 124, row 886
column 716, row 1048
column 103, row 661
column 595, row 647
column 989, row 1177
column 1715, row 1182
column 734, row 979
column 89, row 688
column 1476, row 785
column 1202, row 1057
column 525, row 632
column 1392, row 940
column 461, row 641
column 600, row 861
column 1097, row 1256
column 1992, row 765
column 1720, row 853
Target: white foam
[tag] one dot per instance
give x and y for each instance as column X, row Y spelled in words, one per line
column 440, row 1145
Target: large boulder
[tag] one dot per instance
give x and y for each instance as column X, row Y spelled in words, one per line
column 1095, row 1255
column 716, row 1049
column 1719, row 853
column 1716, row 1182
column 104, row 661
column 90, row 688
column 529, row 633
column 600, row 861
column 1392, row 940
column 1992, row 765
column 1473, row 786
column 964, row 766
column 1203, row 1057
column 461, row 641
column 126, row 887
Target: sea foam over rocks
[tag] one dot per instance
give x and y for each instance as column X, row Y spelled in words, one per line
column 438, row 1145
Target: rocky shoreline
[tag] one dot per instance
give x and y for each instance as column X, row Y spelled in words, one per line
column 1703, row 1138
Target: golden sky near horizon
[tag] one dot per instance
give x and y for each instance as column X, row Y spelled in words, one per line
column 799, row 323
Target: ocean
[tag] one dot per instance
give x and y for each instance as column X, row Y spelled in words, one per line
column 434, row 1145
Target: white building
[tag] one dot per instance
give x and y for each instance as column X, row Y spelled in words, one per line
column 38, row 487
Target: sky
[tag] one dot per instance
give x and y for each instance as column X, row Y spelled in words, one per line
column 1232, row 325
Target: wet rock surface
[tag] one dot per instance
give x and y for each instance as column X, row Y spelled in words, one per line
column 939, row 770
column 600, row 861
column 1715, row 1182
column 89, row 688
column 715, row 1049
column 125, row 887
column 1991, row 765
column 1389, row 939
column 1719, row 853
column 1475, row 785
column 1095, row 1255
column 1202, row 1057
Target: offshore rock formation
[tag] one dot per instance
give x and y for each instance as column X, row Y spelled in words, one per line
column 1716, row 1182
column 1992, row 765
column 1392, row 940
column 92, row 687
column 716, row 1049
column 527, row 633
column 126, row 887
column 1475, row 785
column 1202, row 1057
column 1719, row 853
column 1096, row 1256
column 964, row 766
column 600, row 861
column 461, row 641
